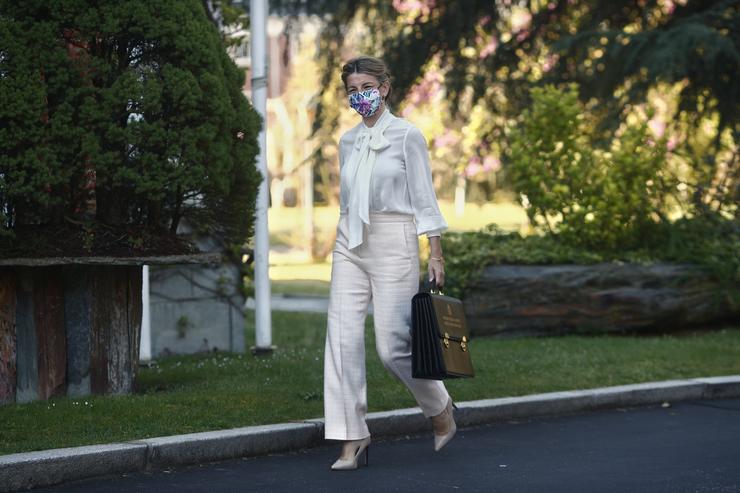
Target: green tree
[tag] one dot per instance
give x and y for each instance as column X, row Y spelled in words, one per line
column 121, row 116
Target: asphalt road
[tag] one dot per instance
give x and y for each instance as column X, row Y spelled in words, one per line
column 692, row 446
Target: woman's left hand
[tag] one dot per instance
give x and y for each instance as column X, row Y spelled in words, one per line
column 437, row 271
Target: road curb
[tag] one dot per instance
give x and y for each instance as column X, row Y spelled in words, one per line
column 33, row 469
column 218, row 445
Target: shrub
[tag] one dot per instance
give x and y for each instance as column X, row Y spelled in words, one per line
column 599, row 198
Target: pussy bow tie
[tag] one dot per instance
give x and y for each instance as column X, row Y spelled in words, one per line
column 376, row 141
column 368, row 142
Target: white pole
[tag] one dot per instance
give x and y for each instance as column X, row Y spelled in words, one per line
column 263, row 318
column 145, row 341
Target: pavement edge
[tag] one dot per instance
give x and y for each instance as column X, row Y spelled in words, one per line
column 28, row 470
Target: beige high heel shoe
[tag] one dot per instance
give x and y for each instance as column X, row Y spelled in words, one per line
column 363, row 445
column 441, row 440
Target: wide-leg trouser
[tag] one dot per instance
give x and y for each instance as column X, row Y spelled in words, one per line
column 385, row 268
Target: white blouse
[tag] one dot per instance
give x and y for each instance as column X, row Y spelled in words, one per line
column 401, row 177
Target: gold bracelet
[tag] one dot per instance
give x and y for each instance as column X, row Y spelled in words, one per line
column 437, row 258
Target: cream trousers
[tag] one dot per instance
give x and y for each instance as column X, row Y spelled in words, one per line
column 384, row 268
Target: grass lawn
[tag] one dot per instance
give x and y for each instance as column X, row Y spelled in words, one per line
column 300, row 278
column 183, row 394
column 308, row 287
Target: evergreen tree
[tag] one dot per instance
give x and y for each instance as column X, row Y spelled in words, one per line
column 122, row 117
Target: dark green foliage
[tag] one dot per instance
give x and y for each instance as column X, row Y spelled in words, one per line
column 709, row 240
column 468, row 253
column 699, row 42
column 123, row 114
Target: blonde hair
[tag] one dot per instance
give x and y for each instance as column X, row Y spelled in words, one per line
column 368, row 65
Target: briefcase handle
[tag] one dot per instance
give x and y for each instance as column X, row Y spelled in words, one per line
column 433, row 286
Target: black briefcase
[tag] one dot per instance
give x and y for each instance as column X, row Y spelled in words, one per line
column 439, row 337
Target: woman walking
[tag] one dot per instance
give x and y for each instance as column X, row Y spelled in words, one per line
column 386, row 200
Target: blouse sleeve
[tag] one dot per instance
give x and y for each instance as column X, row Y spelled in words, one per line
column 428, row 217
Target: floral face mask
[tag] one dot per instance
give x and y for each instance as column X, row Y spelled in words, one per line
column 365, row 103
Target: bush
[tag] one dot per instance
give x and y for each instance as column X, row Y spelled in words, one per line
column 122, row 115
column 606, row 199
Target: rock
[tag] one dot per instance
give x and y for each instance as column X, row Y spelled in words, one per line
column 522, row 300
